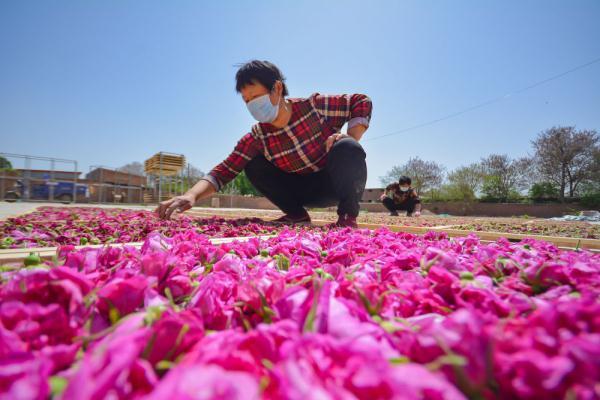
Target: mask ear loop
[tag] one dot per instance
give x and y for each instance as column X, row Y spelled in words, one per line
column 285, row 106
column 280, row 97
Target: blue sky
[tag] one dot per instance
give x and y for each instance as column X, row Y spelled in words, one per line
column 109, row 82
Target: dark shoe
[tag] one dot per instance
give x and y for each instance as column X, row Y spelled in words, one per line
column 344, row 221
column 394, row 214
column 350, row 222
column 293, row 220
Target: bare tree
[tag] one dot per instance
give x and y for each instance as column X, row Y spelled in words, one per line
column 425, row 175
column 134, row 168
column 505, row 177
column 567, row 157
column 392, row 175
column 191, row 175
column 194, row 173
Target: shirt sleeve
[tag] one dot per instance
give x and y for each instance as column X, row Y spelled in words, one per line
column 415, row 196
column 355, row 109
column 246, row 149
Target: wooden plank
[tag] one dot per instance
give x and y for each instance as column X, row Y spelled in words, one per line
column 559, row 241
column 166, row 161
column 46, row 253
column 165, row 164
column 444, row 226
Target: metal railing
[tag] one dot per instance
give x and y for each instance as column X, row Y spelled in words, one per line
column 34, row 178
column 24, row 182
column 104, row 189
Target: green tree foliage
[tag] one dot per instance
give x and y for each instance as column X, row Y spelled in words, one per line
column 464, row 183
column 5, row 164
column 504, row 178
column 541, row 191
column 241, row 185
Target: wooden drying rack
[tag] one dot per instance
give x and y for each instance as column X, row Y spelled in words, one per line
column 568, row 243
column 18, row 255
column 9, row 256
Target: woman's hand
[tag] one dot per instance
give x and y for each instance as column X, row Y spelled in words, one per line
column 180, row 203
column 382, row 197
column 334, row 138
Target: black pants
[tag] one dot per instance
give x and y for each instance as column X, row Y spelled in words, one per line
column 408, row 205
column 340, row 183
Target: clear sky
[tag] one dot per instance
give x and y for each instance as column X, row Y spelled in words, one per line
column 109, row 82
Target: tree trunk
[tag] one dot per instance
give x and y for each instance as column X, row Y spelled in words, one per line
column 571, row 189
column 561, row 194
column 575, row 188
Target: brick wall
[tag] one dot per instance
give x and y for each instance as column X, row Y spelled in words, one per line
column 372, row 195
column 503, row 209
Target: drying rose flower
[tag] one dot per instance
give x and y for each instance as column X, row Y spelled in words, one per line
column 106, row 369
column 206, row 382
column 24, row 376
column 122, row 295
column 174, row 334
column 308, row 313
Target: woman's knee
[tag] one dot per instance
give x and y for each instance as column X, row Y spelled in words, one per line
column 347, row 151
column 348, row 146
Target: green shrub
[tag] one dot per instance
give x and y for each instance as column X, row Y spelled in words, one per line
column 543, row 191
column 591, row 199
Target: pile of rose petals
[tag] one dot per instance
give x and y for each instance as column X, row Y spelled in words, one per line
column 524, row 225
column 55, row 226
column 338, row 314
column 577, row 229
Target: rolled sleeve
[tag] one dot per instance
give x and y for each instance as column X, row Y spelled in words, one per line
column 354, row 109
column 213, row 181
column 358, row 121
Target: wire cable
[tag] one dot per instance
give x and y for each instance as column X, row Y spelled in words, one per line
column 488, row 102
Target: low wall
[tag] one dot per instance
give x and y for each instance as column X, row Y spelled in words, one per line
column 490, row 209
column 452, row 208
column 503, row 209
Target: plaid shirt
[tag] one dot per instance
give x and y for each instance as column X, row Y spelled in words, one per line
column 399, row 196
column 298, row 147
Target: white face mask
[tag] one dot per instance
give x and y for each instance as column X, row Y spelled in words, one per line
column 262, row 109
column 404, row 188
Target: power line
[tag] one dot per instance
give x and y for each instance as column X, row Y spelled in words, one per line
column 488, row 102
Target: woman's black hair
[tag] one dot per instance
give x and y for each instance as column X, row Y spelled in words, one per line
column 263, row 72
column 404, row 180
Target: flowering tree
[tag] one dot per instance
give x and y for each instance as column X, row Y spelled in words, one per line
column 425, row 175
column 568, row 158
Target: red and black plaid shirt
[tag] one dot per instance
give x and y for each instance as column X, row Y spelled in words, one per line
column 298, row 147
column 399, row 196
